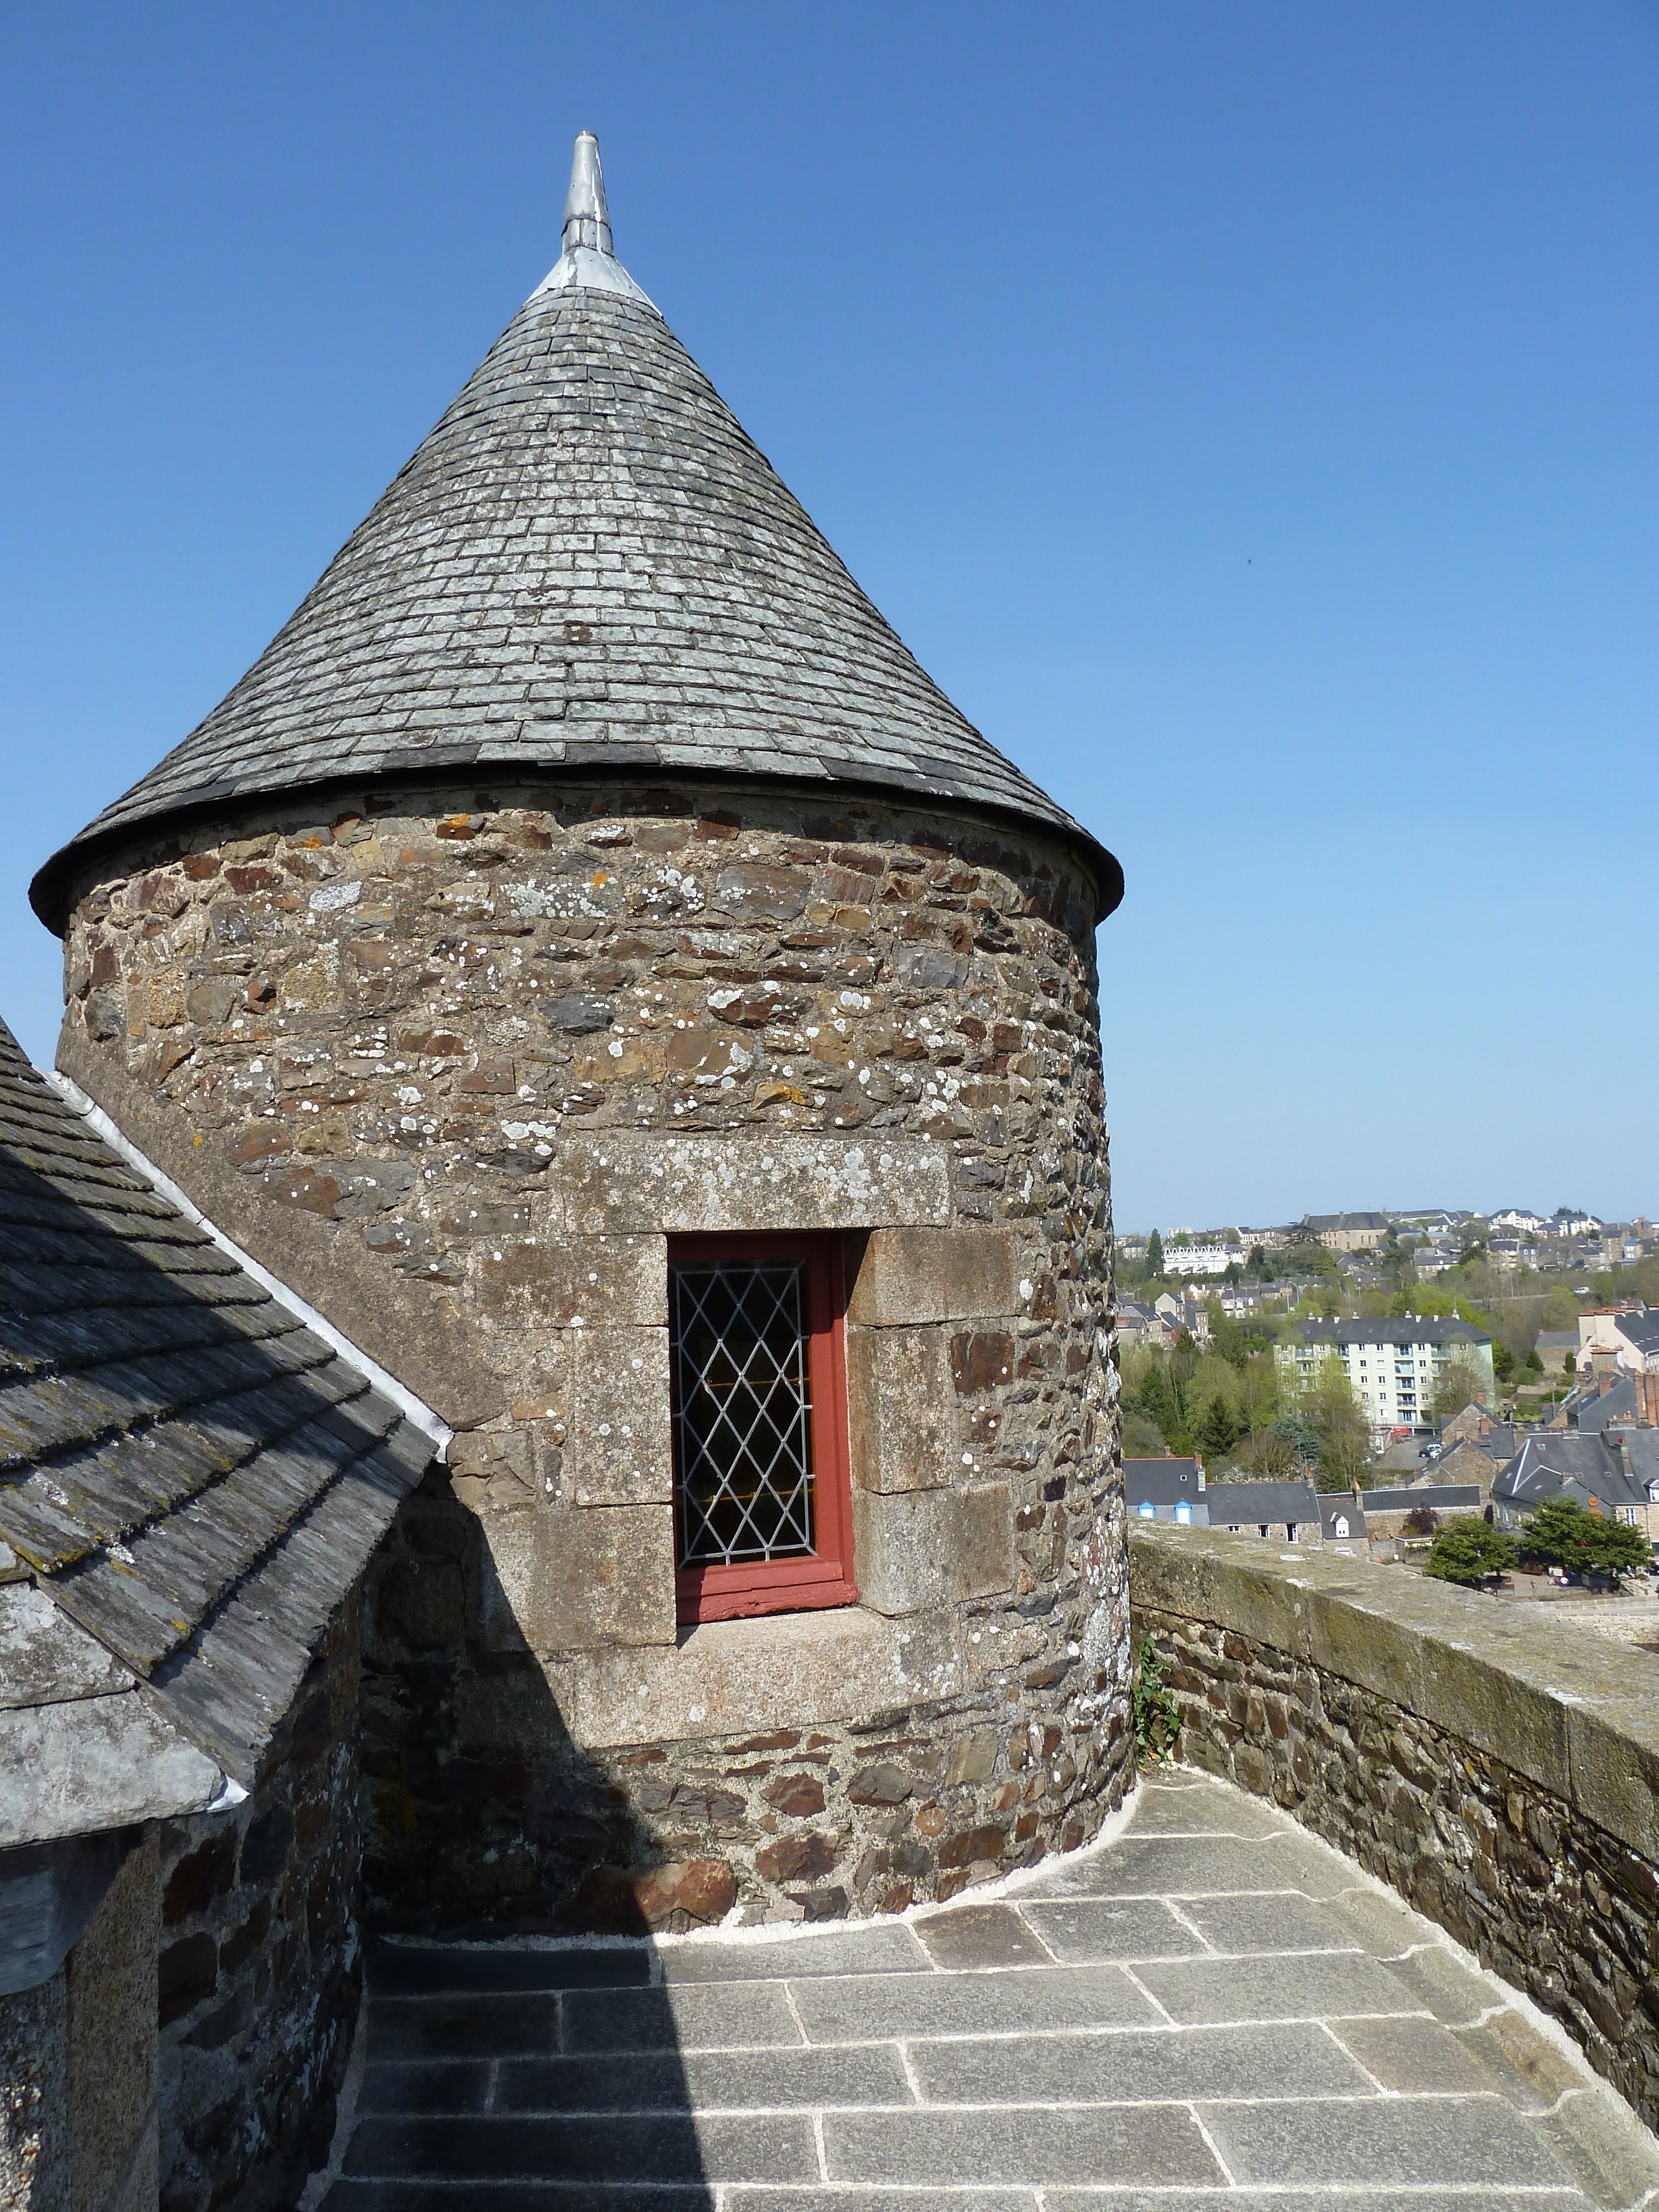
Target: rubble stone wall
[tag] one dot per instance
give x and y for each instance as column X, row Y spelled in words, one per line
column 1496, row 1768
column 457, row 1064
column 78, row 2121
column 260, row 1967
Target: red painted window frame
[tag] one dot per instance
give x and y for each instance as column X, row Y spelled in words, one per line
column 824, row 1578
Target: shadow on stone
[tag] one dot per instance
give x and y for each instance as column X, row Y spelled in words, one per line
column 518, row 2030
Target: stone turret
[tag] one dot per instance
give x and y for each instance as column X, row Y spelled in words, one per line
column 588, row 958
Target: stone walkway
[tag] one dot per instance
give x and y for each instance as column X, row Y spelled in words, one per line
column 1213, row 2008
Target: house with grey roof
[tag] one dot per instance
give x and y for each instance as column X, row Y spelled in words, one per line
column 1167, row 1489
column 1343, row 1517
column 1615, row 1472
column 1290, row 1509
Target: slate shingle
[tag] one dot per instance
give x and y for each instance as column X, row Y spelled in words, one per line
column 195, row 1478
column 588, row 528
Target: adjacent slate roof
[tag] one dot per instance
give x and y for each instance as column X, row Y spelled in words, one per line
column 1341, row 1506
column 1404, row 1331
column 1641, row 1332
column 1544, row 1463
column 1164, row 1484
column 194, row 1480
column 587, row 568
column 1439, row 1498
column 1593, row 1407
column 1251, row 1504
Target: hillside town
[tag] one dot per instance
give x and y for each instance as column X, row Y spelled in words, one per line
column 1364, row 1379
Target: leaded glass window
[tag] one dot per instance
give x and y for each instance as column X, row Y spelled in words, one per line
column 762, row 1497
column 743, row 1411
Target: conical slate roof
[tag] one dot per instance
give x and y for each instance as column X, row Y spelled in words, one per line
column 587, row 568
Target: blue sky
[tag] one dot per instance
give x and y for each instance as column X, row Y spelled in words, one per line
column 1248, row 414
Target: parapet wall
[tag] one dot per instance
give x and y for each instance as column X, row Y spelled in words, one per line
column 259, row 1970
column 1496, row 1766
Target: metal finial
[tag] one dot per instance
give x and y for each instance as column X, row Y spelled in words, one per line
column 586, row 222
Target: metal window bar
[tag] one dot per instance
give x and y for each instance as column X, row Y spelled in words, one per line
column 742, row 1413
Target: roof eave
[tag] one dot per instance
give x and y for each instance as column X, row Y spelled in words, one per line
column 50, row 889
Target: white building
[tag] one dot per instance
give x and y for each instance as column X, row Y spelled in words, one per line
column 1391, row 1366
column 1201, row 1258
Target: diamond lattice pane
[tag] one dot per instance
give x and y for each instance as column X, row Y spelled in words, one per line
column 743, row 1411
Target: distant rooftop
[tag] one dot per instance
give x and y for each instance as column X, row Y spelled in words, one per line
column 1406, row 1330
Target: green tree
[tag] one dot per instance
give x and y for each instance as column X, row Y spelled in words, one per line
column 1532, row 1364
column 1154, row 1257
column 1229, row 1340
column 1569, row 1364
column 1289, row 1445
column 1561, row 1533
column 1503, row 1362
column 1467, row 1549
column 1457, row 1385
column 1142, row 1438
column 1330, row 1408
column 1157, row 1400
column 1217, row 1431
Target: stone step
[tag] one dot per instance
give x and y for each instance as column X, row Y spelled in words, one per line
column 399, row 1970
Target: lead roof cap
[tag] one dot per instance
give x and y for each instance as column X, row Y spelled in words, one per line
column 587, row 568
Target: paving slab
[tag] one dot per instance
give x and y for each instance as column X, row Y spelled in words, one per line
column 618, row 2149
column 889, row 1947
column 481, row 2026
column 1506, row 2039
column 973, row 1936
column 420, row 1969
column 453, row 2085
column 1124, row 2142
column 404, row 2194
column 858, row 2074
column 1308, row 1865
column 1204, row 1808
column 1033, row 2000
column 1310, row 1985
column 1604, row 2147
column 1443, row 2142
column 1114, row 1928
column 688, row 2017
column 1420, row 2055
column 1133, row 2066
column 1167, row 1866
column 1238, row 1924
column 1444, row 1986
column 1304, row 2200
column 850, row 2199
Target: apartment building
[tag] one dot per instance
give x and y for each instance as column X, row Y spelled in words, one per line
column 1392, row 1365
